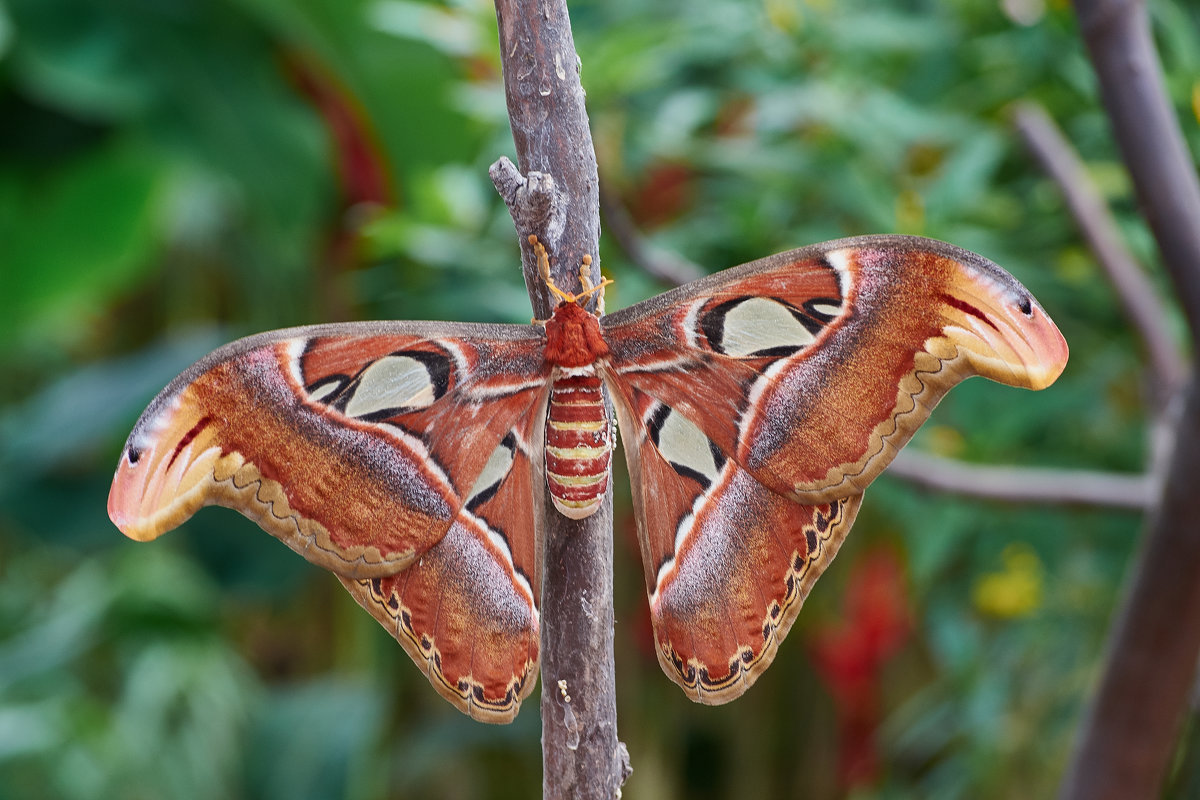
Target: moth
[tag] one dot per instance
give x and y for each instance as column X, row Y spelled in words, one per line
column 755, row 406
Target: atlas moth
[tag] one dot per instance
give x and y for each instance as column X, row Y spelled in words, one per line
column 755, row 406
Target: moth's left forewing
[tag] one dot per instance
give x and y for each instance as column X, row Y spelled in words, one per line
column 813, row 367
column 920, row 316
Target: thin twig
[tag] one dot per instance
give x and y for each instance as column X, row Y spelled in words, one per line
column 1143, row 307
column 1117, row 33
column 1024, row 484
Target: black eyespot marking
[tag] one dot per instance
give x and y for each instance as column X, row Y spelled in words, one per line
column 814, row 316
column 328, row 389
column 656, row 421
column 134, row 455
column 1026, row 306
column 655, row 424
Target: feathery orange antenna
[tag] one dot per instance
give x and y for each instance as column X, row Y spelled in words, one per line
column 585, row 279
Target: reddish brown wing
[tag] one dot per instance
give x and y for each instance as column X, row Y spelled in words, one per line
column 728, row 561
column 802, row 374
column 361, row 446
column 465, row 612
column 812, row 368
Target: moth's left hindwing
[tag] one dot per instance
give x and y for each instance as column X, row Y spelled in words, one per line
column 388, row 453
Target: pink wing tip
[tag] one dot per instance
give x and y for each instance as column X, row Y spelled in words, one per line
column 1050, row 351
column 125, row 497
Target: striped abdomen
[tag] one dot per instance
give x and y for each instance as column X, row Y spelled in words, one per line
column 578, row 445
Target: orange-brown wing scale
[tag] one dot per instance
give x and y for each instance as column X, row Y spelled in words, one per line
column 728, row 562
column 466, row 610
column 361, row 447
column 803, row 373
column 757, row 405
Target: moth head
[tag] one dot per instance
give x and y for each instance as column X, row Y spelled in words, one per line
column 589, row 289
column 573, row 337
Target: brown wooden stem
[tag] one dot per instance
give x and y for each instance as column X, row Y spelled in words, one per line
column 1129, row 732
column 553, row 194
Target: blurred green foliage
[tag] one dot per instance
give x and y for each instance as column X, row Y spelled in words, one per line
column 175, row 173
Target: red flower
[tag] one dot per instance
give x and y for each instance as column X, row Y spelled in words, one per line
column 850, row 655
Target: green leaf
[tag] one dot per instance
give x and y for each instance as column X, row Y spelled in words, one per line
column 75, row 240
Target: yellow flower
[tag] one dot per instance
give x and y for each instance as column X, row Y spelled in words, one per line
column 1015, row 590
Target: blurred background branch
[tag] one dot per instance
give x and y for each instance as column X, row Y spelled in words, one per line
column 664, row 266
column 1024, row 484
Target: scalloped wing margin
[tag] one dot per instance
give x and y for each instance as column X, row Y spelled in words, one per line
column 356, row 445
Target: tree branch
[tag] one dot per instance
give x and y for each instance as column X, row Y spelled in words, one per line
column 1117, row 34
column 1024, row 484
column 554, row 197
column 1129, row 731
column 1143, row 307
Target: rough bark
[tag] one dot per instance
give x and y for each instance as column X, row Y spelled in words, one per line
column 1129, row 733
column 553, row 194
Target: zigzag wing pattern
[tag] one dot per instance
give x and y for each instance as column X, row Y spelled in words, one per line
column 396, row 455
column 466, row 611
column 756, row 405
